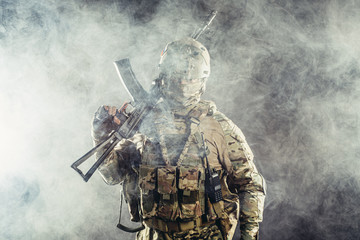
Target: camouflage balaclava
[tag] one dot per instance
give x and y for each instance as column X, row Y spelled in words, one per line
column 184, row 69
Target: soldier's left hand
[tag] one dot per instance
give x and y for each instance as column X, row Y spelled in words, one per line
column 104, row 121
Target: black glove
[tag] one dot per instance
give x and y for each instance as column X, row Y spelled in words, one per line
column 104, row 122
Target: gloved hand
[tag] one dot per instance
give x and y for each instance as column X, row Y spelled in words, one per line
column 104, row 122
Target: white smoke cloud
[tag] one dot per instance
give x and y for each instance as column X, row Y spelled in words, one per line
column 285, row 71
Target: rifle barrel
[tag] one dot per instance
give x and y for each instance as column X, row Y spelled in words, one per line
column 210, row 18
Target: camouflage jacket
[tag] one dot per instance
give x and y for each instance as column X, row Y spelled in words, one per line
column 158, row 150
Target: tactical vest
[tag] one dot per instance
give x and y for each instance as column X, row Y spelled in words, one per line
column 176, row 193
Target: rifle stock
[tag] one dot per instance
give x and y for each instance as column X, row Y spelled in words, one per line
column 112, row 139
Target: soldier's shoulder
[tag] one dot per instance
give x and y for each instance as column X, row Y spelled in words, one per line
column 228, row 126
column 235, row 138
column 208, row 106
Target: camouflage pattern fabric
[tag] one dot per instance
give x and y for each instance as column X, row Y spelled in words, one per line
column 204, row 233
column 147, row 183
column 166, row 180
column 126, row 149
column 191, row 180
column 245, row 179
column 168, row 205
column 229, row 154
column 188, row 179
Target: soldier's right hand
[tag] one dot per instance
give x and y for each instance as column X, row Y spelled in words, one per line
column 104, row 122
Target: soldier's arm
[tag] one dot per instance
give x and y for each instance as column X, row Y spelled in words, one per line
column 245, row 180
column 121, row 160
column 118, row 163
column 115, row 167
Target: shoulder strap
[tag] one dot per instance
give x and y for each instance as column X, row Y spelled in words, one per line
column 162, row 119
column 194, row 117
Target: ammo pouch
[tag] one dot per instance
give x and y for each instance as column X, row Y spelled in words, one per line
column 167, row 193
column 170, row 192
column 192, row 192
column 147, row 184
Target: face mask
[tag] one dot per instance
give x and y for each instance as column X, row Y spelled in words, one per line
column 182, row 92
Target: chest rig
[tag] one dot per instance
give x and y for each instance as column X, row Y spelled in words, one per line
column 174, row 183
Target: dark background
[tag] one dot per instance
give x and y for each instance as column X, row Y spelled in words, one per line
column 286, row 72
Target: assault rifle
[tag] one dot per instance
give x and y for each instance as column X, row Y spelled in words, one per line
column 142, row 102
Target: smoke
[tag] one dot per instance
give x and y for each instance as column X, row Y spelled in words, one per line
column 287, row 72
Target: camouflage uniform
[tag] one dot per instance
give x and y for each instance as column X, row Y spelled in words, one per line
column 157, row 179
column 163, row 170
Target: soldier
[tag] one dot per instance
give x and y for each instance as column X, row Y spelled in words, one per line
column 188, row 173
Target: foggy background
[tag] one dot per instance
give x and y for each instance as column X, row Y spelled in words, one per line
column 286, row 72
